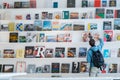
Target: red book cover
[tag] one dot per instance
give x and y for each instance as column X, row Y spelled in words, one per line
column 32, row 3
column 115, row 14
column 97, row 3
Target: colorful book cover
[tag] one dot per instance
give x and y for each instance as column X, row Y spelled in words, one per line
column 92, row 26
column 77, row 27
column 19, row 27
column 28, row 17
column 57, row 15
column 47, row 26
column 82, row 52
column 44, row 15
column 84, row 36
column 32, row 3
column 42, row 37
column 106, row 53
column 108, row 35
column 13, row 37
column 113, row 68
column 112, row 3
column 65, row 68
column 29, row 52
column 66, row 26
column 116, row 24
column 60, row 52
column 107, row 25
column 67, row 37
column 74, row 15
column 104, row 3
column 48, row 52
column 84, row 66
column 51, row 38
column 22, row 38
column 55, row 25
column 117, row 36
column 55, row 68
column 55, row 4
column 99, row 13
column 8, row 53
column 97, row 3
column 75, row 67
column 60, row 37
column 84, row 15
column 39, row 51
column 17, row 4
column 84, row 3
column 11, row 26
column 8, row 68
column 71, row 52
column 18, row 17
column 29, row 27
column 66, row 14
column 109, row 13
column 105, row 68
column 38, row 25
column 71, row 3
column 117, row 13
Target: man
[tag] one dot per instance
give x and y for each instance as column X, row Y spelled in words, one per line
column 92, row 69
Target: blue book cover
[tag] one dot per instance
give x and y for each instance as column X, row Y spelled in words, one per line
column 55, row 4
column 47, row 25
column 106, row 53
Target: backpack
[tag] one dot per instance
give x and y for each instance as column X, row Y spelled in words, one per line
column 97, row 59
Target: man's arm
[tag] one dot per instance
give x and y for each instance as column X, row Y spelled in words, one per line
column 101, row 44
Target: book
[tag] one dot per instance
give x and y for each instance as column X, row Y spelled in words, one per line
column 71, row 52
column 8, row 68
column 116, row 24
column 4, row 27
column 84, row 66
column 107, row 25
column 109, row 13
column 19, row 27
column 39, row 51
column 46, row 68
column 25, row 4
column 117, row 13
column 47, row 25
column 55, row 67
column 57, row 15
column 17, row 4
column 66, row 14
column 92, row 26
column 84, row 3
column 28, row 17
column 29, row 27
column 74, row 15
column 50, row 15
column 60, row 37
column 11, row 26
column 71, row 3
column 84, row 36
column 55, row 4
column 8, row 53
column 82, row 52
column 108, row 35
column 31, row 68
column 66, row 26
column 0, row 68
column 91, row 3
column 49, row 52
column 36, row 16
column 104, row 3
column 18, row 17
column 44, row 15
column 38, row 25
column 55, row 25
column 42, row 37
column 84, row 15
column 118, row 53
column 97, row 3
column 13, row 37
column 65, row 68
column 113, row 68
column 60, row 52
column 112, row 3
column 20, row 66
column 75, row 67
column 29, row 52
column 106, row 53
column 32, row 3
column 20, row 53
column 78, row 26
column 117, row 36
column 31, row 37
column 99, row 13
column 22, row 38
column 51, row 38
column 67, row 37
column 39, row 69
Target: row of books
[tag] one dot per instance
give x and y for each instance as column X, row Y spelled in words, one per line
column 56, row 67
column 70, row 3
column 48, row 25
column 57, row 52
column 65, row 14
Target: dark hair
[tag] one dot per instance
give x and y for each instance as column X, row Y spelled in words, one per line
column 92, row 42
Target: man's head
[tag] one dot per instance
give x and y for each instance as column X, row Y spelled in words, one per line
column 92, row 42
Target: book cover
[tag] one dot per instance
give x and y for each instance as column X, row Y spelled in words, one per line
column 36, row 16
column 75, row 67
column 109, row 13
column 32, row 3
column 38, row 25
column 118, row 53
column 71, row 52
column 71, row 3
column 13, row 37
column 28, row 16
column 17, row 4
column 84, row 36
column 99, row 13
column 84, row 66
column 97, row 3
column 11, row 26
column 29, row 52
column 117, row 36
column 29, row 27
column 4, row 27
column 20, row 66
column 108, row 35
column 66, row 14
column 42, row 37
column 55, row 25
column 84, row 3
column 91, row 3
column 47, row 26
column 84, row 15
column 92, row 26
column 65, row 68
column 77, row 27
column 66, row 26
column 117, row 13
column 39, row 69
column 60, row 37
column 57, row 15
column 113, row 68
column 106, row 53
column 60, row 52
column 25, row 4
column 49, row 52
column 46, row 68
column 31, row 68
column 74, row 15
column 20, row 53
column 55, row 4
column 8, row 68
column 0, row 68
column 104, row 3
column 8, row 53
column 50, row 15
column 67, row 37
column 55, row 67
column 44, row 15
column 82, row 52
column 112, row 3
column 19, row 27
column 18, row 17
column 51, row 38
column 107, row 25
column 22, row 38
column 31, row 37
column 39, row 51
column 116, row 24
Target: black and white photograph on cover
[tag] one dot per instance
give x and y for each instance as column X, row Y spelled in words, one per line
column 49, row 52
column 4, row 27
column 113, row 68
column 109, row 13
column 29, row 52
column 107, row 25
column 75, row 67
column 117, row 24
column 31, row 37
column 39, row 69
column 71, row 3
column 29, row 27
column 46, row 68
column 84, row 3
column 83, row 66
column 65, row 67
column 8, row 68
column 0, row 68
column 31, row 68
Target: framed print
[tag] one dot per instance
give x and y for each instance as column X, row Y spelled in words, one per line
column 20, row 66
column 8, row 68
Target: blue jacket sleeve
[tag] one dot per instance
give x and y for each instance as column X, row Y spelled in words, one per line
column 100, row 46
column 89, row 54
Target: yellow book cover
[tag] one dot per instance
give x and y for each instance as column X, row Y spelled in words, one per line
column 20, row 53
column 11, row 26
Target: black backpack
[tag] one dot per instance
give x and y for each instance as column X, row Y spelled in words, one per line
column 97, row 59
